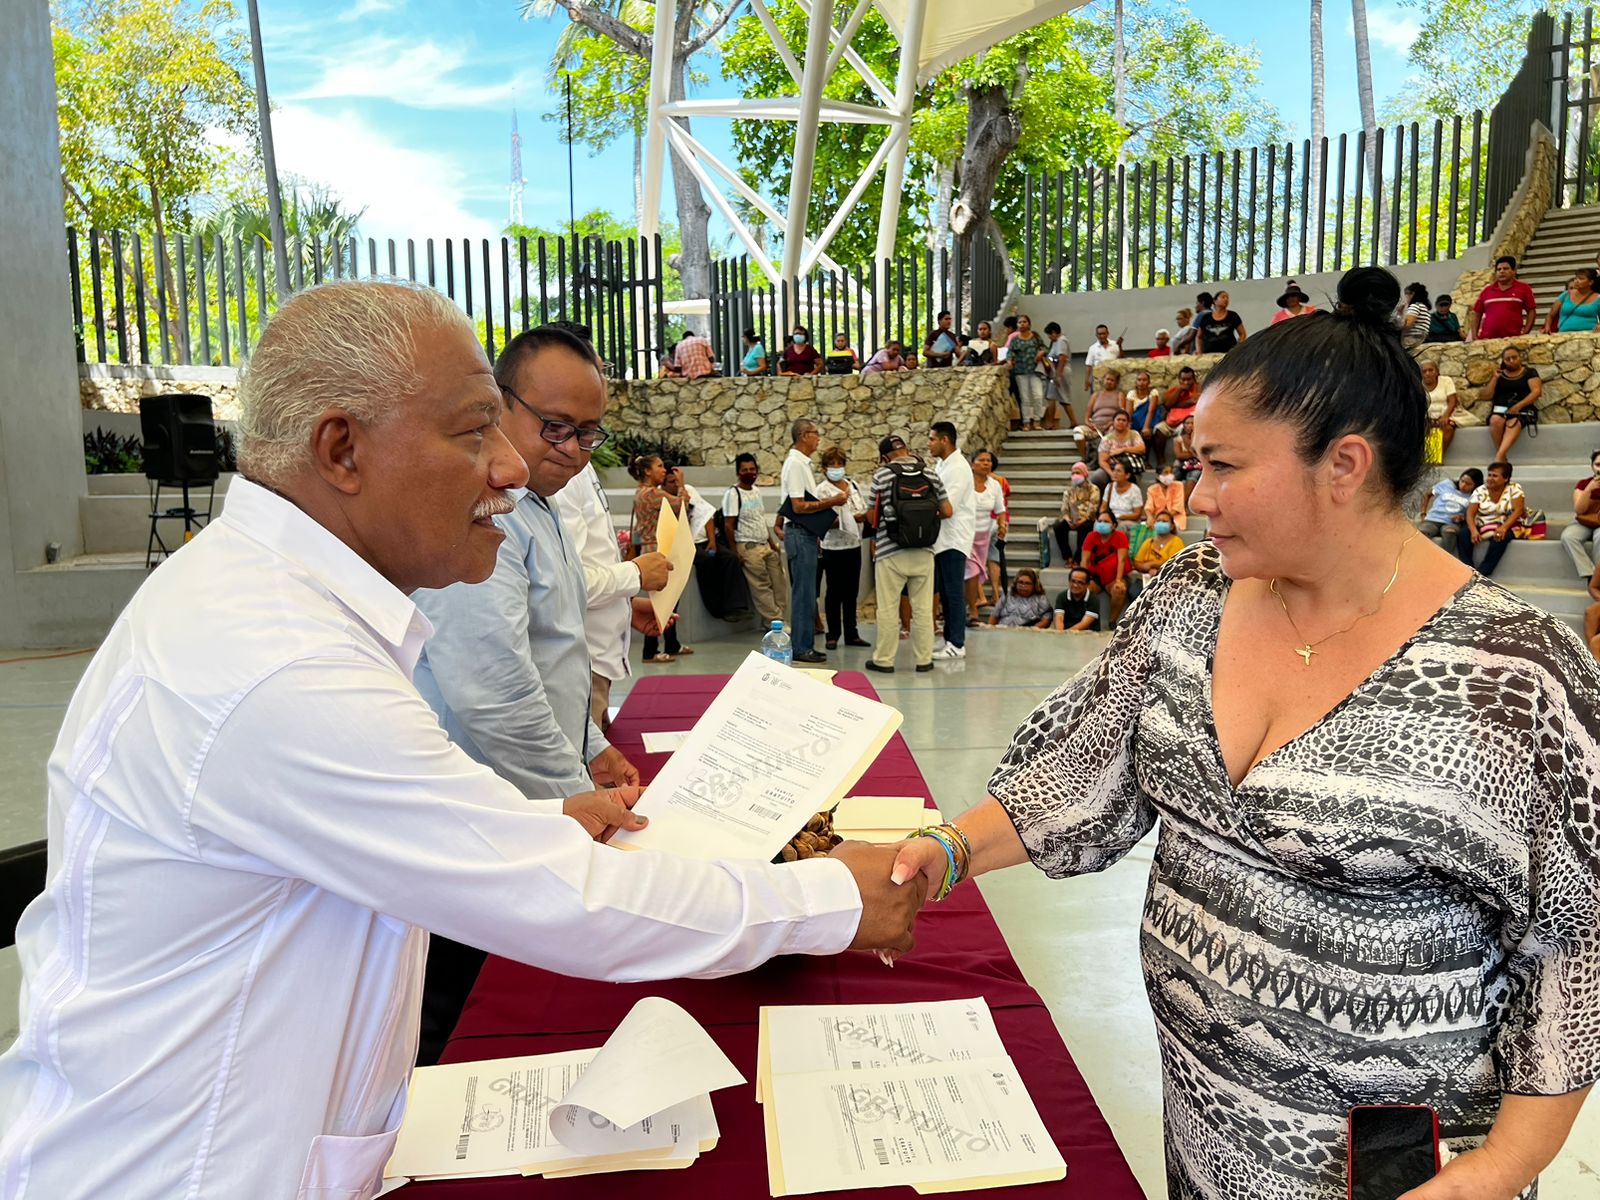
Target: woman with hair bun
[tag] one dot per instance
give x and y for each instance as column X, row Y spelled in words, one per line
column 657, row 486
column 1377, row 780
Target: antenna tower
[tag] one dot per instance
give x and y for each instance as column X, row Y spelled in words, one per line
column 517, row 181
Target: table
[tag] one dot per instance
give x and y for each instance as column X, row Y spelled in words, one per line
column 517, row 1010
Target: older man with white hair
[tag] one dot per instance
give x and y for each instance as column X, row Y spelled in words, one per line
column 253, row 815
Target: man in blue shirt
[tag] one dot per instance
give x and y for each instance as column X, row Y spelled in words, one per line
column 1444, row 506
column 507, row 668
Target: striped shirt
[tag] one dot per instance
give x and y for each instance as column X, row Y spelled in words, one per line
column 881, row 505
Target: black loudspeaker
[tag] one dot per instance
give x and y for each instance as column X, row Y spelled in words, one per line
column 180, row 438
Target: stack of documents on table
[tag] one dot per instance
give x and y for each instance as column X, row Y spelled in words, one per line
column 882, row 818
column 641, row 1102
column 877, row 1095
column 773, row 749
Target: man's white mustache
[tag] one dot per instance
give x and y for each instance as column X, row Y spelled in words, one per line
column 493, row 507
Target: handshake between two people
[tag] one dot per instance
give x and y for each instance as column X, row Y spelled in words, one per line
column 894, row 880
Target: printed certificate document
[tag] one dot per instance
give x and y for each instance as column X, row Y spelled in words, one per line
column 795, row 1039
column 774, row 748
column 640, row 1102
column 935, row 1126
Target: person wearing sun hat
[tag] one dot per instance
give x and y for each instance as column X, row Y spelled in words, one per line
column 1293, row 303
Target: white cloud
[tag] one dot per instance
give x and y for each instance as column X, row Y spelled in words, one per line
column 367, row 8
column 417, row 74
column 1391, row 28
column 406, row 192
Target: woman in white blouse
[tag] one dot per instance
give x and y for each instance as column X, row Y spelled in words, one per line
column 1493, row 513
column 1123, row 497
column 991, row 523
column 1445, row 411
column 841, row 551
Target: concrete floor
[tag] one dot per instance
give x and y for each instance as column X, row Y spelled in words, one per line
column 1076, row 940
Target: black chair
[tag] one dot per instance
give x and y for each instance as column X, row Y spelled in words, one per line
column 180, row 451
column 21, row 879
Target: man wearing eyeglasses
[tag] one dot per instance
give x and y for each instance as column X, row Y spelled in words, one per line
column 507, row 669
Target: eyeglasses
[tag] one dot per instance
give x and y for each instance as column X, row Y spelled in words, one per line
column 590, row 437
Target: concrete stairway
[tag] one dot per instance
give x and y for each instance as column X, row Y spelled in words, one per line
column 1038, row 465
column 1567, row 238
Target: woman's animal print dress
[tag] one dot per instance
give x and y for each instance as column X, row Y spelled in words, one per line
column 1402, row 905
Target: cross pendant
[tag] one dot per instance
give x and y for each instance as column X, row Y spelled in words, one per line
column 1305, row 652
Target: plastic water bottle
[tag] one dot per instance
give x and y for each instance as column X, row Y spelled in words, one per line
column 776, row 645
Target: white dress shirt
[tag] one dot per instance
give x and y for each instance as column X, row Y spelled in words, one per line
column 957, row 532
column 253, row 816
column 610, row 582
column 1098, row 354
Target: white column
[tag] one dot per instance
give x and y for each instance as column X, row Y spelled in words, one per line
column 655, row 143
column 818, row 43
column 894, row 173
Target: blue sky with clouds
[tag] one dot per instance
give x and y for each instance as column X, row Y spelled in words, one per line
column 404, row 106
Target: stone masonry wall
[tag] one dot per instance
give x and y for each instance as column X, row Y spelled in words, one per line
column 115, row 388
column 1521, row 219
column 1568, row 363
column 714, row 419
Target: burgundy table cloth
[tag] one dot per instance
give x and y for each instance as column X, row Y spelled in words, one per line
column 517, row 1010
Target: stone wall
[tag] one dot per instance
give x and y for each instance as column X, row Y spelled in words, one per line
column 712, row 420
column 1568, row 363
column 112, row 387
column 1518, row 223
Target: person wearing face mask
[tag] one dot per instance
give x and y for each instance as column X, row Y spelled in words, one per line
column 841, row 551
column 1079, row 504
column 1166, row 495
column 800, row 357
column 1105, row 557
column 1159, row 548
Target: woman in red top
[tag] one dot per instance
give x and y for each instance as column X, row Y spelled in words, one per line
column 1105, row 557
column 800, row 357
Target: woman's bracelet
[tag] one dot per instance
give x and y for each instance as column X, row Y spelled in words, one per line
column 958, row 855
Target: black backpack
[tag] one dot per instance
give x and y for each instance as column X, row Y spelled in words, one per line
column 916, row 509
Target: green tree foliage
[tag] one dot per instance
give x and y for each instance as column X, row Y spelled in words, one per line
column 1187, row 89
column 1467, row 53
column 145, row 87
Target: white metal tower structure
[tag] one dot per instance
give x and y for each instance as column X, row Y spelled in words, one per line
column 933, row 34
column 517, row 181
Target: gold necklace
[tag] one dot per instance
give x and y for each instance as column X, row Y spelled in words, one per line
column 1306, row 651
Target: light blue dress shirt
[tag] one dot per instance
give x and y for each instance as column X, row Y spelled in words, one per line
column 507, row 668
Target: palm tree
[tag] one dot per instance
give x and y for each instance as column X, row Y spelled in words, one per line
column 1369, row 118
column 1318, row 91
